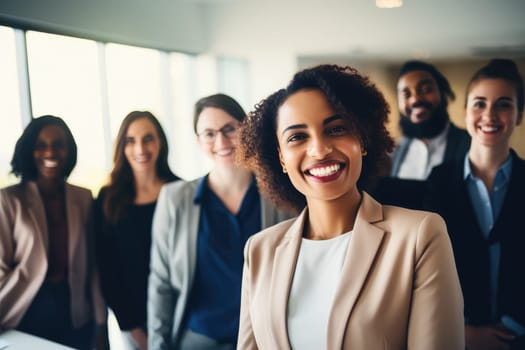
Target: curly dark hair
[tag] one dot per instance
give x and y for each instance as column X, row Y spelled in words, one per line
column 121, row 187
column 351, row 95
column 23, row 163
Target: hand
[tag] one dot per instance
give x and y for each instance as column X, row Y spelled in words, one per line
column 495, row 337
column 140, row 337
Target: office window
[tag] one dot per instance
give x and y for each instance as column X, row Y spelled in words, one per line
column 134, row 83
column 10, row 117
column 192, row 77
column 232, row 75
column 64, row 80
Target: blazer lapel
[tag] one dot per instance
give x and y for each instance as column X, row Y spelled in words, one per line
column 73, row 219
column 38, row 214
column 283, row 271
column 364, row 244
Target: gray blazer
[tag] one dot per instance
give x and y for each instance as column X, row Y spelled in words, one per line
column 173, row 259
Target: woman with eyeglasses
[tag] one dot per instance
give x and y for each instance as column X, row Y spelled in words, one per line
column 199, row 231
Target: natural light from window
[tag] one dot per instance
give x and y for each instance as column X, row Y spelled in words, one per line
column 10, row 118
column 64, row 79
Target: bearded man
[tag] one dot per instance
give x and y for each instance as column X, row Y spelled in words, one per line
column 429, row 138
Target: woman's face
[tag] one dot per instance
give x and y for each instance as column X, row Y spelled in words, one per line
column 317, row 148
column 491, row 112
column 217, row 135
column 142, row 145
column 51, row 153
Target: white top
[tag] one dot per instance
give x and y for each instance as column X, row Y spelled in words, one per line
column 422, row 157
column 315, row 281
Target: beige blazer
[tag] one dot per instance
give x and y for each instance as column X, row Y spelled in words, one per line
column 399, row 287
column 24, row 250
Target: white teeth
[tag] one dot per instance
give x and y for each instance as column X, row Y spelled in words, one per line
column 224, row 152
column 141, row 159
column 325, row 171
column 489, row 128
column 50, row 163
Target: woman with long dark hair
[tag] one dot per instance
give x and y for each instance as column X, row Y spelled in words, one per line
column 123, row 212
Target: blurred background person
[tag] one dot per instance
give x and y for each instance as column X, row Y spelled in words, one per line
column 123, row 215
column 480, row 197
column 348, row 272
column 429, row 138
column 199, row 231
column 48, row 282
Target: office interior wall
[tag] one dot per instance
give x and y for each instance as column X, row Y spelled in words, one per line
column 458, row 72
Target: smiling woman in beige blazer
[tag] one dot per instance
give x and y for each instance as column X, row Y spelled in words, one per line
column 48, row 285
column 348, row 273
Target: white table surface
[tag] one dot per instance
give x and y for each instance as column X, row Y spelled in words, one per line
column 16, row 340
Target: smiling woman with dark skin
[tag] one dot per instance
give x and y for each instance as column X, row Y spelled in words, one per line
column 47, row 284
column 348, row 272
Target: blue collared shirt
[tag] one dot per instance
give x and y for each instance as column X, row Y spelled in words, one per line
column 214, row 305
column 487, row 207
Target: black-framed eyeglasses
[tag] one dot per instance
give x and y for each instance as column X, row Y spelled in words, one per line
column 209, row 135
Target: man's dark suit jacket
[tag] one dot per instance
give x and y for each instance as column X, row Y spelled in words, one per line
column 448, row 195
column 458, row 143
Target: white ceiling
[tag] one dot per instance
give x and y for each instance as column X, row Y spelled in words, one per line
column 428, row 29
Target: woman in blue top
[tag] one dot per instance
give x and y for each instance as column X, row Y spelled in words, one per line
column 480, row 198
column 123, row 214
column 199, row 231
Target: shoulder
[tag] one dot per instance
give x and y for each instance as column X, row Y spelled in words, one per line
column 11, row 195
column 178, row 192
column 402, row 143
column 79, row 194
column 455, row 132
column 77, row 190
column 11, row 191
column 181, row 186
column 519, row 163
column 447, row 170
column 409, row 217
column 270, row 237
column 416, row 226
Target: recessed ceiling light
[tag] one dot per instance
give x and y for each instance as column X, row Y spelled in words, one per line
column 388, row 4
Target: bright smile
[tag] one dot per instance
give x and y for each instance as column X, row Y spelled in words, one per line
column 489, row 129
column 50, row 163
column 325, row 173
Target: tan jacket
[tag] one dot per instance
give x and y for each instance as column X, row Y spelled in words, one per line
column 399, row 287
column 24, row 249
